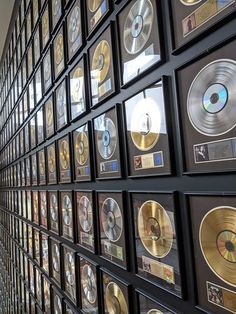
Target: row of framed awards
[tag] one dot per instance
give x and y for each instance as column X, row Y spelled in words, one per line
column 207, row 123
column 212, row 219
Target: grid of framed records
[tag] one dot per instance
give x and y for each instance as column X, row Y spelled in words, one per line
column 117, row 157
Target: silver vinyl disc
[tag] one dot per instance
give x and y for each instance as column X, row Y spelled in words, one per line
column 57, row 305
column 61, row 101
column 112, row 222
column 74, row 24
column 43, row 205
column 85, row 214
column 190, row 2
column 56, row 258
column 56, row 7
column 107, row 138
column 54, row 207
column 138, row 26
column 67, row 210
column 70, row 268
column 89, row 286
column 211, row 98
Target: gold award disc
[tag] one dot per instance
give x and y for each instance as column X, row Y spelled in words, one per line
column 88, row 282
column 145, row 124
column 41, row 164
column 49, row 113
column 154, row 311
column 101, row 60
column 81, row 148
column 155, row 229
column 51, row 159
column 93, row 5
column 77, row 85
column 59, row 49
column 64, row 155
column 115, row 299
column 217, row 237
column 74, row 24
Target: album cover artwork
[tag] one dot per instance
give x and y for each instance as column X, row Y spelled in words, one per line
column 157, row 254
column 206, row 99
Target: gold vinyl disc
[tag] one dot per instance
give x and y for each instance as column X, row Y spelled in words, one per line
column 154, row 311
column 64, row 155
column 43, row 204
column 155, row 229
column 74, row 24
column 51, row 159
column 46, row 67
column 81, row 148
column 115, row 299
column 89, row 284
column 45, row 26
column 93, row 5
column 70, row 268
column 59, row 49
column 138, row 26
column 101, row 60
column 190, row 2
column 217, row 238
column 41, row 165
column 145, row 124
column 49, row 114
column 77, row 85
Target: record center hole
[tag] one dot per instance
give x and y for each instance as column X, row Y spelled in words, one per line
column 214, row 98
column 229, row 246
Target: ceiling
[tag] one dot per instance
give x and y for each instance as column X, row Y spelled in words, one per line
column 6, row 7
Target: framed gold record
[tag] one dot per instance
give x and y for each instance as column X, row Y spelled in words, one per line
column 49, row 117
column 106, row 135
column 139, row 38
column 96, row 12
column 189, row 20
column 88, row 286
column 112, row 227
column 53, row 211
column 81, row 145
column 207, row 112
column 51, row 164
column 102, row 68
column 56, row 9
column 85, row 218
column 64, row 160
column 214, row 241
column 37, row 46
column 43, row 207
column 77, row 90
column 67, row 212
column 157, row 253
column 47, row 71
column 59, row 54
column 115, row 294
column 70, row 269
column 45, row 27
column 61, row 105
column 74, row 29
column 42, row 167
column 147, row 132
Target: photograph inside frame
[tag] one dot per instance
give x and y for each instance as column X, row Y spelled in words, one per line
column 139, row 38
column 206, row 90
column 194, row 17
column 157, row 252
column 213, row 221
column 147, row 133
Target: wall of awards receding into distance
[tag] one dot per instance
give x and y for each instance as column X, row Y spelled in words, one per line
column 117, row 157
